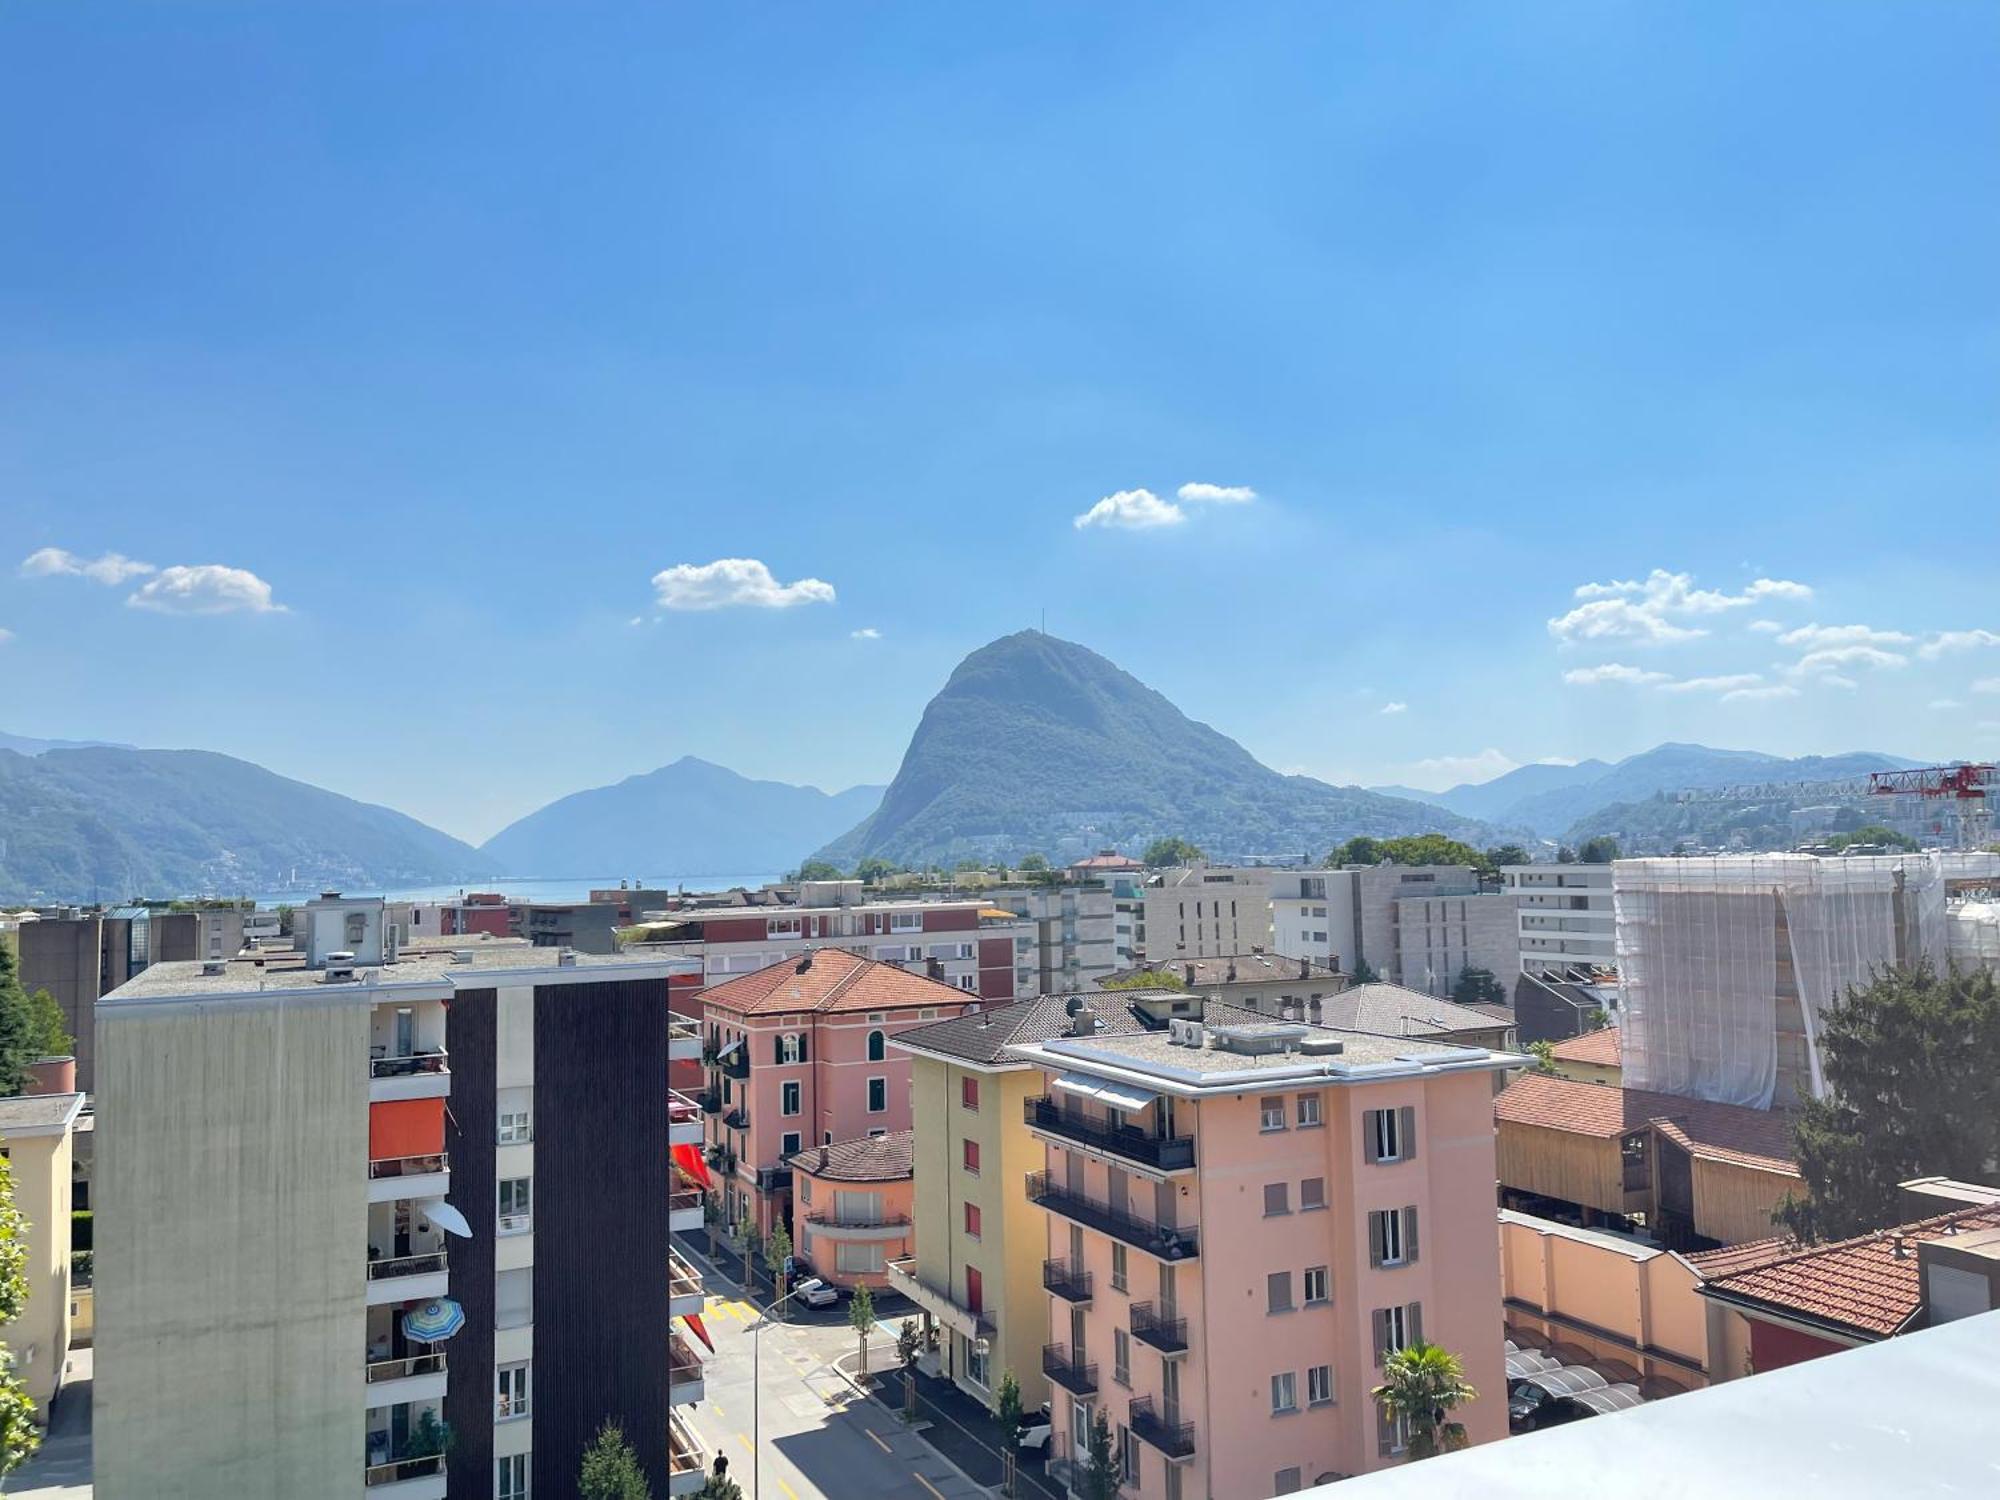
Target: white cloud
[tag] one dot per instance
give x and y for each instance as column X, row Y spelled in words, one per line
column 110, row 569
column 1819, row 637
column 1956, row 640
column 733, row 582
column 1987, row 685
column 1395, row 708
column 1438, row 772
column 1828, row 664
column 1645, row 609
column 1733, row 683
column 205, row 589
column 866, row 633
column 1132, row 510
column 6, row 635
column 1760, row 694
column 1217, row 494
column 1946, row 703
column 1766, row 627
column 1612, row 672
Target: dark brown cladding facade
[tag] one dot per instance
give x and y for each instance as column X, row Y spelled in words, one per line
column 471, row 1132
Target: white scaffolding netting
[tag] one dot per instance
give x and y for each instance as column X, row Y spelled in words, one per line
column 1711, row 950
column 1972, row 934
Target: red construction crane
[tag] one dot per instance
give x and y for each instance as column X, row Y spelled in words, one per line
column 1969, row 785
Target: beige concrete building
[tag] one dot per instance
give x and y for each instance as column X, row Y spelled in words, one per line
column 1415, row 925
column 38, row 1133
column 1204, row 911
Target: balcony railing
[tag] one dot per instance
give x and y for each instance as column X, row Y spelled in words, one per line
column 738, row 1118
column 401, row 1469
column 409, row 1166
column 685, row 1454
column 773, row 1179
column 710, row 1101
column 683, row 1197
column 682, row 1362
column 827, row 1218
column 1175, row 1439
column 389, row 1266
column 1168, row 1335
column 1162, row 1154
column 682, row 1278
column 680, row 1028
column 403, row 1067
column 722, row 1158
column 1074, row 1377
column 1067, row 1282
column 1165, row 1241
column 682, row 1108
column 380, row 1370
column 738, row 1066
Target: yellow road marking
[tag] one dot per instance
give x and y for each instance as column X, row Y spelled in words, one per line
column 878, row 1442
column 790, row 1493
column 926, row 1483
column 716, row 1407
column 745, row 1442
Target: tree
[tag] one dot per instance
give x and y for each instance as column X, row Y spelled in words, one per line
column 1544, row 1054
column 1359, row 850
column 1565, row 855
column 1100, row 1474
column 1033, row 862
column 861, row 1318
column 909, row 1344
column 1416, row 849
column 1007, row 1411
column 819, row 869
column 1163, row 852
column 1363, row 972
column 777, row 1250
column 1873, row 833
column 719, row 1486
column 17, row 1026
column 873, row 869
column 611, row 1469
column 746, row 1236
column 1420, row 1386
column 51, row 1036
column 1912, row 1064
column 1598, row 851
column 1478, row 987
column 1507, row 854
column 19, row 1436
column 1145, row 979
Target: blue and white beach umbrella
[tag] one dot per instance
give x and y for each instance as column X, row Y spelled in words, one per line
column 434, row 1322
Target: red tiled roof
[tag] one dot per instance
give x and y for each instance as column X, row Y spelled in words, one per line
column 1718, row 1132
column 1602, row 1047
column 831, row 979
column 1861, row 1284
column 1731, row 1258
column 869, row 1158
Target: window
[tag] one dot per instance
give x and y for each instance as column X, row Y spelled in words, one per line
column 970, row 1153
column 972, row 1221
column 1079, row 1429
column 1287, row 1481
column 968, row 1094
column 906, row 921
column 511, row 1398
column 1277, row 1199
column 878, row 1094
column 1274, row 1113
column 1319, row 1385
column 1397, row 1328
column 857, row 1257
column 1284, row 1393
column 1128, row 1456
column 516, row 1211
column 514, row 1298
column 1118, row 1283
column 357, row 928
column 1278, row 1292
column 793, row 1143
column 1392, row 1236
column 779, row 927
column 806, row 1191
column 975, row 1291
column 976, row 1364
column 1312, row 1193
column 789, row 1097
column 516, row 1127
column 791, row 1048
column 1121, row 1356
column 1308, row 1115
column 510, row 1477
column 1389, row 1134
column 967, row 982
column 1319, row 1286
column 877, row 1046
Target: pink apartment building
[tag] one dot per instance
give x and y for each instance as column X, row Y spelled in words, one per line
column 798, row 1054
column 854, row 1202
column 1242, row 1220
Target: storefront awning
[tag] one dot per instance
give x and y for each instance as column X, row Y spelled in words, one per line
column 1117, row 1095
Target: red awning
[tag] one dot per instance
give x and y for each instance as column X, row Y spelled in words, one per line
column 693, row 1321
column 688, row 1158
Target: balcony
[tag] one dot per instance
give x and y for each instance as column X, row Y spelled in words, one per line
column 856, row 1227
column 1076, row 1378
column 415, row 1075
column 774, row 1179
column 397, row 1177
column 683, row 1119
column 684, row 1286
column 1067, row 1282
column 722, row 1158
column 406, row 1278
column 684, row 1213
column 947, row 1310
column 395, row 1382
column 683, row 1038
column 407, row 1478
column 684, row 1375
column 738, row 1118
column 1168, row 1335
column 738, row 1065
column 1175, row 1439
column 1160, row 1154
column 1162, row 1241
column 710, row 1101
column 687, row 1459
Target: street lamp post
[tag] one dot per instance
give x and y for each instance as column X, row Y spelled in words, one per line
column 757, row 1388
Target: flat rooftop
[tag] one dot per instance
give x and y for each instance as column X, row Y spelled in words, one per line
column 1363, row 1057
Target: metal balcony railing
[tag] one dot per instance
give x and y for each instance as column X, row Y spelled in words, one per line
column 415, row 1062
column 402, row 1369
column 827, row 1218
column 738, row 1118
column 1067, row 1282
column 1162, row 1154
column 409, row 1166
column 773, row 1179
column 401, row 1469
column 1078, row 1379
column 1165, row 1241
column 738, row 1066
column 710, row 1101
column 389, row 1266
column 1168, row 1335
column 1173, row 1438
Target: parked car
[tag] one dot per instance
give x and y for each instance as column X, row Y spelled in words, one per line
column 816, row 1293
column 1035, row 1429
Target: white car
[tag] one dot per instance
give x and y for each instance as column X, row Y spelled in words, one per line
column 1035, row 1429
column 816, row 1293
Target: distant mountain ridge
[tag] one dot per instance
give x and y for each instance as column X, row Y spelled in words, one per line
column 22, row 744
column 688, row 818
column 1036, row 744
column 112, row 823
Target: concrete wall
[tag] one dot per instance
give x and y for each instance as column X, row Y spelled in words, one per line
column 66, row 958
column 1438, row 936
column 232, row 1192
column 40, row 1337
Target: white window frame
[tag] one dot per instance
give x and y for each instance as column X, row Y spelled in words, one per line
column 510, row 1477
column 792, row 1143
column 1079, row 1429
column 1309, row 1112
column 1388, row 1135
column 794, row 1091
column 906, row 921
column 1304, row 1206
column 516, row 1127
column 791, row 1049
column 1271, row 1114
column 1319, row 1385
column 1318, row 1285
column 968, row 982
column 1284, row 1393
column 784, row 927
column 1385, row 1226
column 513, row 1391
column 520, row 1218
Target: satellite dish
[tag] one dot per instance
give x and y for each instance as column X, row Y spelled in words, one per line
column 1075, row 1004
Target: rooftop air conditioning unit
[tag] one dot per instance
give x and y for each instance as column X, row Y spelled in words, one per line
column 339, row 967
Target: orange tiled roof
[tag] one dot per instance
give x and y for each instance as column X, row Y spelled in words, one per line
column 1732, row 1258
column 833, row 980
column 1602, row 1047
column 1860, row 1284
column 869, row 1158
column 1717, row 1132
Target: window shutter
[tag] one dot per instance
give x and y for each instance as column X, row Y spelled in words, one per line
column 1406, row 1118
column 1381, row 1319
column 1410, row 1234
column 778, row 1048
column 1385, row 1431
column 805, row 1046
column 1375, row 1243
column 1413, row 1320
column 1368, row 1137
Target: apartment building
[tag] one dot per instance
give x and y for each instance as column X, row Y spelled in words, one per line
column 1243, row 1220
column 854, row 1207
column 1204, row 911
column 687, row 1456
column 475, row 912
column 322, row 1176
column 1564, row 916
column 1414, row 925
column 1260, row 981
column 798, row 1054
column 1075, row 942
column 38, row 1135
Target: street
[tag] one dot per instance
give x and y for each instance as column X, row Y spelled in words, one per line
column 820, row 1440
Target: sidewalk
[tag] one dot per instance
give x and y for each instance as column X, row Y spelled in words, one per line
column 61, row 1470
column 963, row 1431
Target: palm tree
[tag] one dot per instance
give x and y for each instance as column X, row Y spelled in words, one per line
column 1420, row 1385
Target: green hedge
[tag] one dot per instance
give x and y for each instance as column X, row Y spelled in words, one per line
column 80, row 1230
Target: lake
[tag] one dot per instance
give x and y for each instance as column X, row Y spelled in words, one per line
column 556, row 892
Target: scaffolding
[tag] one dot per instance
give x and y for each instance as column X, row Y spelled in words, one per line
column 1729, row 964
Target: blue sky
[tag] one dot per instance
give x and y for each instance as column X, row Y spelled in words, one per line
column 413, row 348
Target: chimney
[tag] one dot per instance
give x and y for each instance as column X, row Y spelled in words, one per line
column 1083, row 1022
column 1305, row 968
column 805, row 962
column 1189, row 971
column 935, row 968
column 1232, row 971
column 823, row 1158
